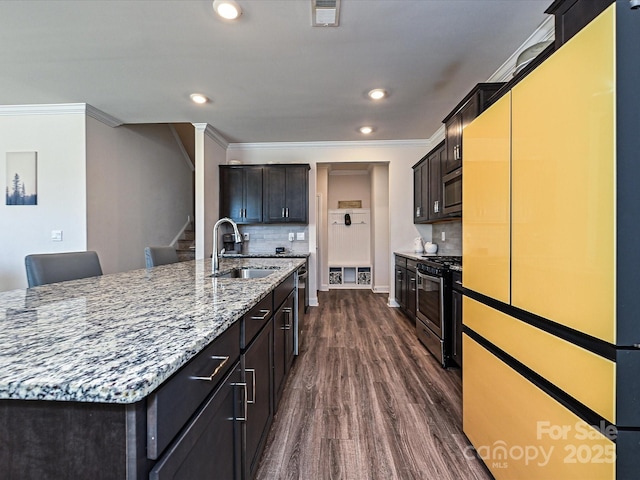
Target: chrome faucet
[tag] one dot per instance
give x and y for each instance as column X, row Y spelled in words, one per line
column 214, row 258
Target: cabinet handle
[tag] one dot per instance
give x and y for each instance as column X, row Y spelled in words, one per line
column 287, row 209
column 265, row 314
column 417, row 211
column 244, row 401
column 253, row 384
column 287, row 312
column 436, row 206
column 282, row 212
column 217, row 369
column 240, row 213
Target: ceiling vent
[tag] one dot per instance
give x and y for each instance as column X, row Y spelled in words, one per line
column 325, row 13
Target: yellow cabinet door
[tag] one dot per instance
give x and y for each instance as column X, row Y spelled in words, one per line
column 563, row 195
column 486, row 213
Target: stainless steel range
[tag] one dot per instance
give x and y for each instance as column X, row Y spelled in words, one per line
column 433, row 313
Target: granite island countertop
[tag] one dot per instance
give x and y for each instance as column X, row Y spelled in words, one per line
column 117, row 337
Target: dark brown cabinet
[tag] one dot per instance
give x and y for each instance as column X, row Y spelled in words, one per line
column 456, row 319
column 427, row 186
column 469, row 108
column 257, row 362
column 412, row 279
column 283, row 347
column 241, row 193
column 210, row 443
column 420, row 191
column 286, row 194
column 405, row 285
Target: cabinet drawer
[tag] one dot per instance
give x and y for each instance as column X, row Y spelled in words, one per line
column 282, row 291
column 255, row 319
column 560, row 362
column 412, row 265
column 209, row 445
column 401, row 261
column 169, row 407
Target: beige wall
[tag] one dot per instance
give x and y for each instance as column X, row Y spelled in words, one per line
column 59, row 140
column 349, row 187
column 139, row 191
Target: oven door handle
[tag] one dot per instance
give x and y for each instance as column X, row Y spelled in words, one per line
column 428, row 277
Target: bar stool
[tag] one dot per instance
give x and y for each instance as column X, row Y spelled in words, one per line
column 47, row 268
column 154, row 256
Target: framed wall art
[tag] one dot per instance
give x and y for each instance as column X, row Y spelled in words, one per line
column 22, row 178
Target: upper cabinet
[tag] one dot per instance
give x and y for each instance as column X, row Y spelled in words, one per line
column 469, row 108
column 251, row 194
column 427, row 186
column 420, row 191
column 241, row 193
column 286, row 194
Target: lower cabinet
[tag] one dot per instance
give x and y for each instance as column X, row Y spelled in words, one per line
column 283, row 346
column 456, row 318
column 257, row 361
column 211, row 441
column 405, row 284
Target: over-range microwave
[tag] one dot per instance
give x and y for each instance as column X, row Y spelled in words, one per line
column 452, row 193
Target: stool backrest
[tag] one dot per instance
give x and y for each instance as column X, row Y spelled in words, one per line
column 154, row 256
column 59, row 267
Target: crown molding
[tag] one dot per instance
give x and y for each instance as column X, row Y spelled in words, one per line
column 420, row 143
column 103, row 117
column 61, row 109
column 546, row 31
column 44, row 109
column 212, row 133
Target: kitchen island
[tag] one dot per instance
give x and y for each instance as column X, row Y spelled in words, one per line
column 80, row 360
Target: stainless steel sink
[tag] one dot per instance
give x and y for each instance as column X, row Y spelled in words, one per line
column 245, row 273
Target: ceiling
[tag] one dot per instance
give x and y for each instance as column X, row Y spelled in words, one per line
column 271, row 76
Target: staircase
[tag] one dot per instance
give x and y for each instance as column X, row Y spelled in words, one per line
column 186, row 246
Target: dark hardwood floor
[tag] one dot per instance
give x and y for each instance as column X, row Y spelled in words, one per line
column 365, row 400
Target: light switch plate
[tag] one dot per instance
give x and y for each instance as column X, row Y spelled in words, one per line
column 291, row 236
column 56, row 235
column 300, row 236
column 444, row 237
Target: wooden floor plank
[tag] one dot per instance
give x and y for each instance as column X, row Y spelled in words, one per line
column 365, row 400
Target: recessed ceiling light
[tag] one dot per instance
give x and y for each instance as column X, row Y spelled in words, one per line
column 366, row 130
column 377, row 94
column 228, row 9
column 198, row 98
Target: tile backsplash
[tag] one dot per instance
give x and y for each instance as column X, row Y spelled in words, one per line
column 265, row 238
column 453, row 237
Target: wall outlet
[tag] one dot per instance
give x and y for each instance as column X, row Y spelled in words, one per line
column 56, row 235
column 444, row 237
column 300, row 236
column 291, row 236
column 245, row 236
